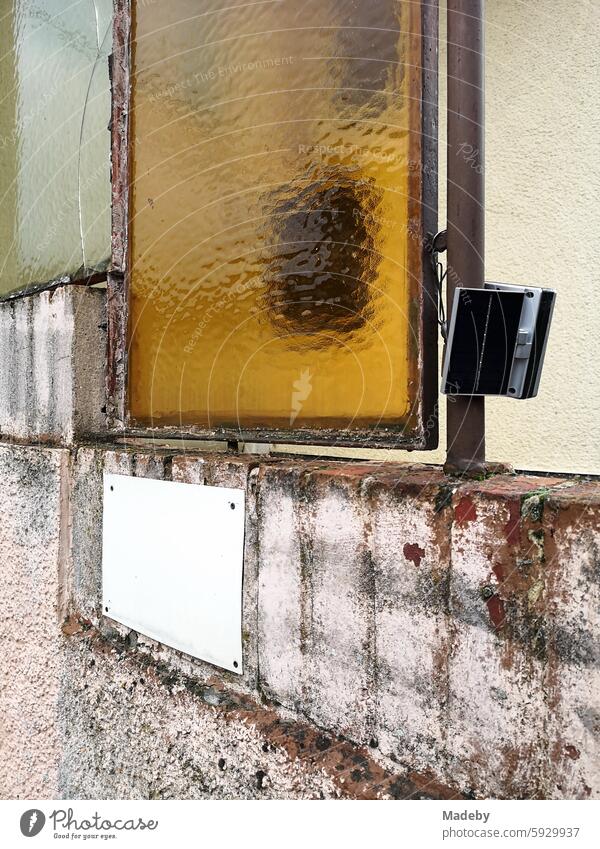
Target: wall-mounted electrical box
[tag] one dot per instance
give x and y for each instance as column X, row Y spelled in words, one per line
column 497, row 340
column 172, row 561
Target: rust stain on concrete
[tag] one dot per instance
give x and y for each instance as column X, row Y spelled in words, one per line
column 414, row 552
column 496, row 610
column 511, row 528
column 465, row 511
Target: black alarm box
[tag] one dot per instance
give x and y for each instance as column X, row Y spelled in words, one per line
column 496, row 340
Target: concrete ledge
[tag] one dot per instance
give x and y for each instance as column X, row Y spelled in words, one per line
column 446, row 631
column 52, row 359
column 413, row 615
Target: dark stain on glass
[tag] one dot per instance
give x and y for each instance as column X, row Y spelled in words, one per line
column 325, row 260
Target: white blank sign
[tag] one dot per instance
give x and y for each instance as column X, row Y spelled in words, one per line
column 172, row 560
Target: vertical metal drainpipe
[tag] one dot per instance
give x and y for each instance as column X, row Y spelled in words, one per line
column 466, row 207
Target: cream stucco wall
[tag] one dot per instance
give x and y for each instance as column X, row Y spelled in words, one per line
column 543, row 219
column 543, row 216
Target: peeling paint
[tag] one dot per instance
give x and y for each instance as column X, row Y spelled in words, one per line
column 496, row 609
column 511, row 528
column 465, row 511
column 413, row 552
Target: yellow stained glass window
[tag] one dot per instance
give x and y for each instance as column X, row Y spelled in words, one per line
column 276, row 165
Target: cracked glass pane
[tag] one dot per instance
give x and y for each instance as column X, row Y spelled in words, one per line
column 276, row 166
column 54, row 141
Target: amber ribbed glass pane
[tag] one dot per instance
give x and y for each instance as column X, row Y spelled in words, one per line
column 275, row 146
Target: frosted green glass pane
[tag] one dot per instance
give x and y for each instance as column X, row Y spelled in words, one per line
column 54, row 141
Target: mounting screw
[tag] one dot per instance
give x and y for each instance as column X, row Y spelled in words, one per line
column 232, row 505
column 235, row 664
column 487, row 592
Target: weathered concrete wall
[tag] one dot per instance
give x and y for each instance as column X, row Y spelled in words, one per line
column 33, row 558
column 404, row 635
column 52, row 355
column 135, row 729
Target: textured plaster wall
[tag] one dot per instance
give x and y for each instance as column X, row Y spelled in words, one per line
column 33, row 559
column 543, row 185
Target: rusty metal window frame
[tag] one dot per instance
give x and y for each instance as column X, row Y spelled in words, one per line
column 421, row 430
